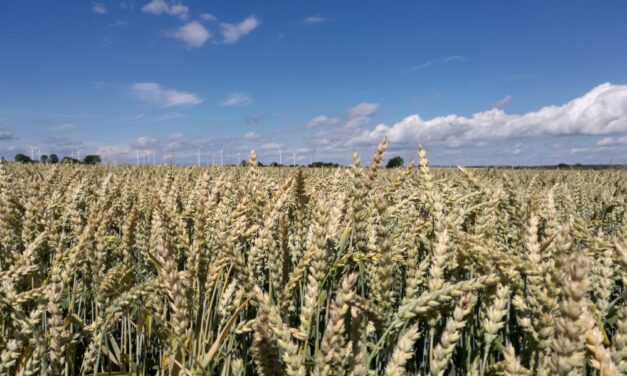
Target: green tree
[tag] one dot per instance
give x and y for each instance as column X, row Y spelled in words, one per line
column 53, row 158
column 92, row 159
column 23, row 158
column 70, row 160
column 395, row 162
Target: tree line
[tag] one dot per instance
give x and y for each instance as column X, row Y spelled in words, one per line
column 90, row 159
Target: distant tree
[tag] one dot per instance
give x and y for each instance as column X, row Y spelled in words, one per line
column 92, row 159
column 53, row 158
column 43, row 159
column 23, row 158
column 322, row 164
column 395, row 162
column 243, row 163
column 70, row 160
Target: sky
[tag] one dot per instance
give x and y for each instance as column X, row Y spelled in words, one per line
column 474, row 82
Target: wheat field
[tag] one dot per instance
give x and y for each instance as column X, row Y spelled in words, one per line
column 280, row 271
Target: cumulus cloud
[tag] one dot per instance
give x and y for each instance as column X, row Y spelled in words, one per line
column 322, row 120
column 601, row 111
column 438, row 61
column 251, row 136
column 235, row 99
column 311, row 20
column 154, row 93
column 232, row 32
column 99, row 8
column 502, row 102
column 158, row 7
column 6, row 135
column 192, row 34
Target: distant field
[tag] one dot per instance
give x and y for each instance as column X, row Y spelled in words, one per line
column 272, row 271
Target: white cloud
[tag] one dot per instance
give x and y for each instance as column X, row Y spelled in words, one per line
column 363, row 109
column 251, row 136
column 271, row 146
column 441, row 60
column 234, row 32
column 99, row 8
column 235, row 99
column 119, row 24
column 166, row 116
column 193, row 34
column 146, row 143
column 601, row 111
column 158, row 7
column 6, row 135
column 322, row 120
column 609, row 141
column 114, row 150
column 359, row 115
column 502, row 102
column 311, row 20
column 154, row 93
column 208, row 17
column 63, row 127
column 255, row 119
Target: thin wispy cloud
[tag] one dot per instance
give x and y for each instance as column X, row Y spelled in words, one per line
column 153, row 93
column 233, row 32
column 611, row 141
column 271, row 146
column 99, row 8
column 438, row 61
column 252, row 120
column 158, row 7
column 119, row 24
column 62, row 127
column 321, row 120
column 502, row 102
column 312, row 20
column 356, row 116
column 167, row 116
column 237, row 99
column 192, row 34
column 251, row 136
column 208, row 17
column 360, row 114
column 6, row 135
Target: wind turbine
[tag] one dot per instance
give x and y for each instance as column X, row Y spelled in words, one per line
column 198, row 158
column 32, row 152
column 294, row 157
column 221, row 160
column 78, row 153
column 280, row 156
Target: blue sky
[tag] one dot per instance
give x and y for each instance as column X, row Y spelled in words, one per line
column 475, row 82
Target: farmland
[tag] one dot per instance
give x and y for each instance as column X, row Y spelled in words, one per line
column 272, row 271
